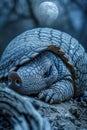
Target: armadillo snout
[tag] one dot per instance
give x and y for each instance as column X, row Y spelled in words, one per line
column 14, row 80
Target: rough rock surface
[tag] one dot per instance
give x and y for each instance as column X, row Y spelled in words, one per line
column 71, row 115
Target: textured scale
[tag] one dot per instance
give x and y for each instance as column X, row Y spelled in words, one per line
column 30, row 43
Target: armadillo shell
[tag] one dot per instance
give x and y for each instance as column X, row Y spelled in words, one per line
column 29, row 44
column 17, row 113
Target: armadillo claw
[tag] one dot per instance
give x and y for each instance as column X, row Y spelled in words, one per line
column 50, row 96
column 40, row 95
column 46, row 95
column 47, row 98
column 51, row 101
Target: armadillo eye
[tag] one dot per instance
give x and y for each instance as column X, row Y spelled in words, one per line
column 48, row 72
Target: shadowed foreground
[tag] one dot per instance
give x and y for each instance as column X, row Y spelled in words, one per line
column 17, row 113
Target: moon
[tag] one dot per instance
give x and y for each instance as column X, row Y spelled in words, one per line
column 47, row 13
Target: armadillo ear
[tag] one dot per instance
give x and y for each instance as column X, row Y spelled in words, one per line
column 14, row 77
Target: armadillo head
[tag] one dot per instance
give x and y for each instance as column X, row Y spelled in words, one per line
column 36, row 75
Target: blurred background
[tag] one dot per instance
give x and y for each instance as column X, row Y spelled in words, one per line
column 17, row 16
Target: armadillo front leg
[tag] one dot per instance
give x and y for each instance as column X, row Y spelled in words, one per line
column 58, row 92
